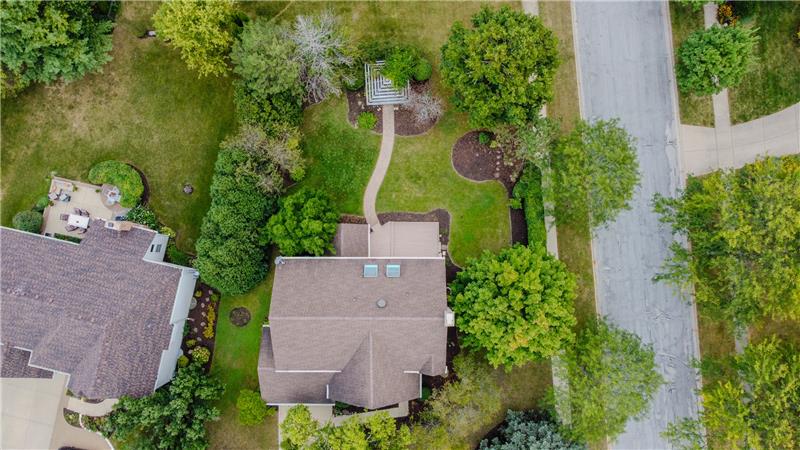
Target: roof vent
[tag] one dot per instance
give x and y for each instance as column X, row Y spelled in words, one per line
column 393, row 271
column 381, row 303
column 370, row 271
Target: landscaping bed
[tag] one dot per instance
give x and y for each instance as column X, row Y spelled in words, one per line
column 198, row 322
column 404, row 123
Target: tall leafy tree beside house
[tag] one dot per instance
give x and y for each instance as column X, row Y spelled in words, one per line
column 502, row 69
column 202, row 30
column 515, row 305
column 48, row 41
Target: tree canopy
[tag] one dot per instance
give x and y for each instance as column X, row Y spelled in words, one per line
column 269, row 89
column 524, row 431
column 756, row 407
column 47, row 41
column 744, row 229
column 516, row 305
column 594, row 172
column 304, row 225
column 252, row 408
column 502, row 69
column 202, row 30
column 612, row 378
column 378, row 432
column 269, row 156
column 715, row 58
column 323, row 53
column 172, row 417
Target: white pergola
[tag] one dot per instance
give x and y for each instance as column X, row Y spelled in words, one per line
column 379, row 89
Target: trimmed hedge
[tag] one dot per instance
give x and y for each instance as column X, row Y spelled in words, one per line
column 528, row 196
column 30, row 221
column 121, row 175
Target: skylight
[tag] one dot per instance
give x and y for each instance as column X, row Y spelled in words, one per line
column 393, row 270
column 370, row 271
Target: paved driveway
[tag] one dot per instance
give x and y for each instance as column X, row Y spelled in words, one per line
column 625, row 71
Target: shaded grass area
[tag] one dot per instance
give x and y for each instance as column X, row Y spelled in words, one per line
column 574, row 241
column 774, row 83
column 235, row 364
column 716, row 340
column 340, row 158
column 146, row 109
column 694, row 109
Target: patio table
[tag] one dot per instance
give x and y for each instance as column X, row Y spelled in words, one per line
column 78, row 221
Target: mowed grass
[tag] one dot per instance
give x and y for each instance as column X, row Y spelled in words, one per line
column 694, row 109
column 774, row 83
column 146, row 109
column 235, row 364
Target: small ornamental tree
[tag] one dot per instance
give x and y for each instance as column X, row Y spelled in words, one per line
column 501, row 70
column 298, row 428
column 594, row 172
column 523, row 431
column 612, row 378
column 516, row 305
column 744, row 229
column 201, row 29
column 323, row 54
column 252, row 408
column 400, row 65
column 304, row 225
column 757, row 408
column 174, row 416
column 30, row 221
column 48, row 41
column 716, row 58
column 269, row 89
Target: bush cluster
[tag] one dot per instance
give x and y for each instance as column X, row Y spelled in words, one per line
column 305, row 224
column 121, row 175
column 527, row 195
column 200, row 354
column 30, row 221
column 144, row 216
column 211, row 316
column 367, row 120
column 252, row 408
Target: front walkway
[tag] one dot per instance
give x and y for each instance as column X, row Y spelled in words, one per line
column 381, row 167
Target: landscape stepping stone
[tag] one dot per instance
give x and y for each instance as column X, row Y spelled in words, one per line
column 240, row 316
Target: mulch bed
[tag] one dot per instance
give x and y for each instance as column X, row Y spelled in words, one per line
column 404, row 123
column 478, row 162
column 198, row 318
column 240, row 316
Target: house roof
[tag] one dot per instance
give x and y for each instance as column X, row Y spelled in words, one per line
column 95, row 310
column 329, row 338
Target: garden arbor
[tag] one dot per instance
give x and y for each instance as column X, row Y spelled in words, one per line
column 380, row 90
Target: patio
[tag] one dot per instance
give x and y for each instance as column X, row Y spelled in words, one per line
column 73, row 204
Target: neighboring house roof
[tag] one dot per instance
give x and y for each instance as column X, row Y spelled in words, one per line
column 328, row 340
column 95, row 310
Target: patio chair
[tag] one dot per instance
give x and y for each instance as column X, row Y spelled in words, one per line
column 71, row 228
column 84, row 213
column 77, row 211
column 64, row 216
column 82, row 230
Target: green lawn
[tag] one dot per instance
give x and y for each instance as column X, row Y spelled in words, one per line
column 774, row 84
column 235, row 363
column 694, row 110
column 145, row 108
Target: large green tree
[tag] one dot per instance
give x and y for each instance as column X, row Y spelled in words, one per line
column 516, row 305
column 612, row 378
column 744, row 229
column 47, row 41
column 756, row 407
column 173, row 417
column 502, row 69
column 716, row 58
column 202, row 30
column 269, row 89
column 304, row 225
column 593, row 172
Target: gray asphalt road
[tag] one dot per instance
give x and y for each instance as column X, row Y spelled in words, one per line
column 625, row 72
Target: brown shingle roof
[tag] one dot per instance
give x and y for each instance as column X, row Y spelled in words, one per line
column 324, row 317
column 95, row 310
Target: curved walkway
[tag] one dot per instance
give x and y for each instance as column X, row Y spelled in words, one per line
column 90, row 409
column 381, row 167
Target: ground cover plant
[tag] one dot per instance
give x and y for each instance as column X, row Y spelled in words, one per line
column 493, row 69
column 173, row 124
column 44, row 42
column 516, row 305
column 122, row 176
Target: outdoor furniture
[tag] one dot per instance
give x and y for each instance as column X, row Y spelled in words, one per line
column 71, row 227
column 78, row 221
column 53, row 196
column 64, row 197
column 64, row 216
column 84, row 213
column 76, row 211
column 81, row 230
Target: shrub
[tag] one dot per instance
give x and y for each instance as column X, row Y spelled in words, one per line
column 355, row 79
column 523, row 431
column 144, row 216
column 484, row 138
column 30, row 221
column 183, row 361
column 425, row 107
column 121, row 175
column 367, row 120
column 401, row 65
column 198, row 293
column 190, row 343
column 42, row 203
column 176, row 256
column 490, row 67
column 423, row 70
column 716, row 58
column 211, row 316
column 305, row 224
column 201, row 30
column 252, row 408
column 516, row 305
column 169, row 232
column 200, row 354
column 527, row 195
